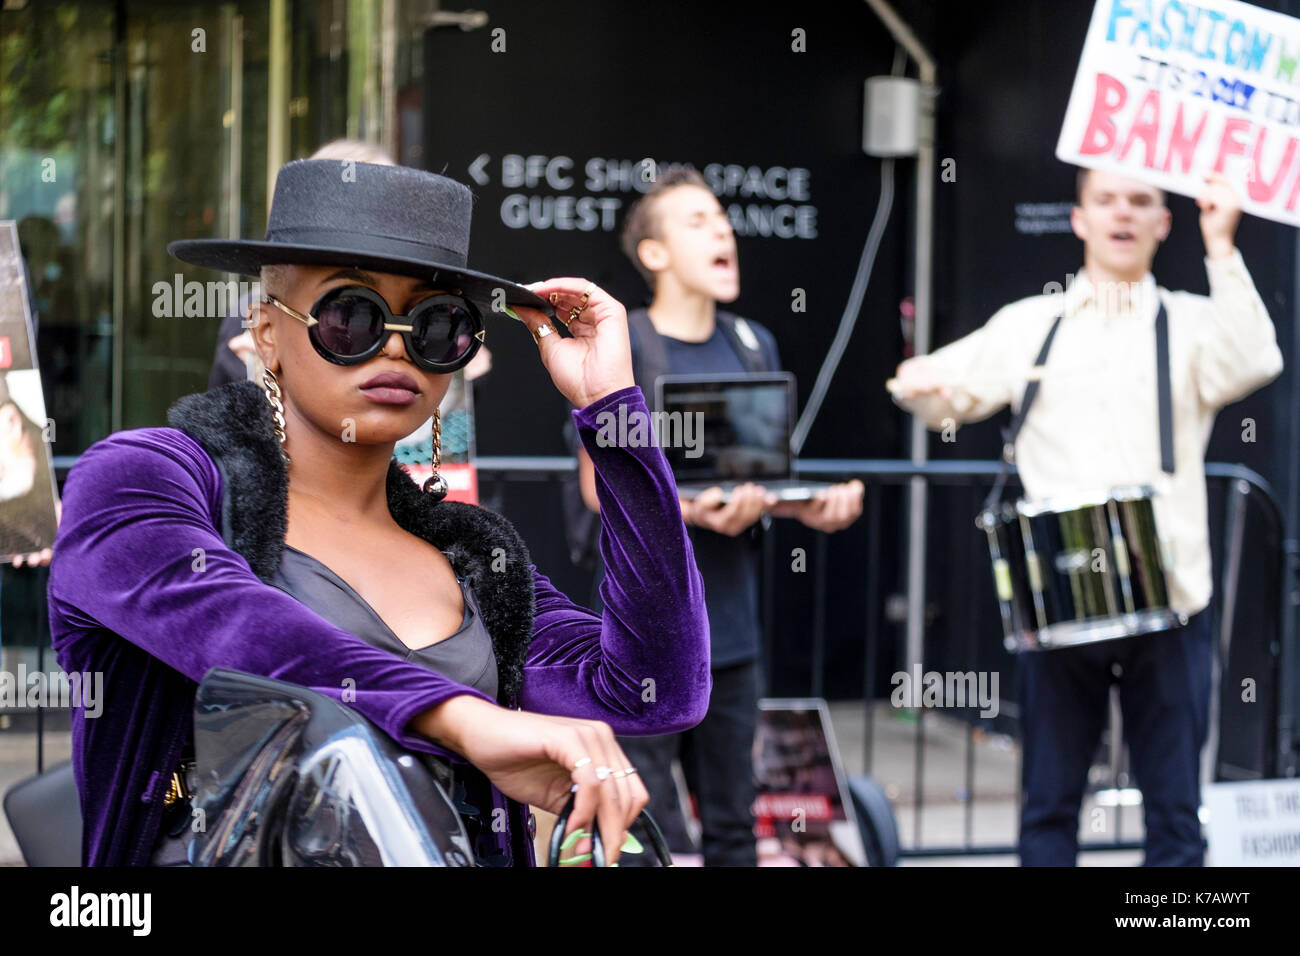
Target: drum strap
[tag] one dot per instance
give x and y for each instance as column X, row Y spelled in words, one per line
column 1011, row 431
column 1164, row 404
column 1164, row 392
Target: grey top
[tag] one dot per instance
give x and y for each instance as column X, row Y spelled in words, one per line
column 465, row 657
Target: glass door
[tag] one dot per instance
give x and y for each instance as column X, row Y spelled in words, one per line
column 59, row 181
column 195, row 104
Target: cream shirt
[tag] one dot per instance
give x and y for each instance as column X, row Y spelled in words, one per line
column 1094, row 424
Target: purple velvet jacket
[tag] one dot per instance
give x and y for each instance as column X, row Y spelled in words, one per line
column 160, row 570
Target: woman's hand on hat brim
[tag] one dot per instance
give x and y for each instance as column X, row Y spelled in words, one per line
column 595, row 359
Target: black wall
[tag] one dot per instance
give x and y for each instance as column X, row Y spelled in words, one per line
column 720, row 83
column 709, row 83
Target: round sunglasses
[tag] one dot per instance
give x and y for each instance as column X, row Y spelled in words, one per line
column 349, row 325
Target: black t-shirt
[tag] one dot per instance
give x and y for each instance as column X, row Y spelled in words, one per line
column 729, row 566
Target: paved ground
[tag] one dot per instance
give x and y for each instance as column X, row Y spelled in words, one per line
column 949, row 817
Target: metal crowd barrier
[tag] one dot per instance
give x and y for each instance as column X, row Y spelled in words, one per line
column 1242, row 486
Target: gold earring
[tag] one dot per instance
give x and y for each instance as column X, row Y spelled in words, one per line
column 436, row 485
column 271, row 386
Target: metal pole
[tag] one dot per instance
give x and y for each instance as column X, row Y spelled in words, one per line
column 235, row 160
column 44, row 634
column 873, row 628
column 1235, row 528
column 1115, row 746
column 388, row 126
column 1234, row 531
column 1288, row 691
column 819, row 618
column 277, row 94
column 923, row 258
column 767, row 625
column 917, row 505
column 121, row 62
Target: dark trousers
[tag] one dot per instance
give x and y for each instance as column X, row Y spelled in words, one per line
column 718, row 765
column 1164, row 683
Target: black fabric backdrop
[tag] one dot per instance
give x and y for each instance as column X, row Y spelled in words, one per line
column 720, row 83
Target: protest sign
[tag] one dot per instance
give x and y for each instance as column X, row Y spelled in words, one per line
column 1169, row 90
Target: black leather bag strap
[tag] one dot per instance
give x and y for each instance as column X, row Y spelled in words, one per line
column 657, row 842
column 651, row 355
column 1164, row 392
column 1012, row 431
column 750, row 355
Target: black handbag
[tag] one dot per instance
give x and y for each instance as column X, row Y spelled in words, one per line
column 44, row 814
column 646, row 821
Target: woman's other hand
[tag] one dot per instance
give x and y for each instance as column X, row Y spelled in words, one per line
column 597, row 359
column 536, row 759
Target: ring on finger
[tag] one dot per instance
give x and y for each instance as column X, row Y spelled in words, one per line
column 582, row 763
column 541, row 332
column 581, row 307
column 603, row 772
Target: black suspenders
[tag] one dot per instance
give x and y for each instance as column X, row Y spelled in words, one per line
column 1163, row 392
column 1164, row 405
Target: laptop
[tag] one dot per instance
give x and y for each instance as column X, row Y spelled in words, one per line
column 725, row 430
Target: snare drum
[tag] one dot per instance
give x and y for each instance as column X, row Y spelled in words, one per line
column 1079, row 571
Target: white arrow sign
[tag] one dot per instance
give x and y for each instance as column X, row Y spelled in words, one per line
column 476, row 169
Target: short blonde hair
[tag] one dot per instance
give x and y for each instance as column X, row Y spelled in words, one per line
column 273, row 278
column 356, row 150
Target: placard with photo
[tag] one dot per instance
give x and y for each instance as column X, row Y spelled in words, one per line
column 27, row 488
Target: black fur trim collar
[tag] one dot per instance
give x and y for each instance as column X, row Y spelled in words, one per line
column 233, row 424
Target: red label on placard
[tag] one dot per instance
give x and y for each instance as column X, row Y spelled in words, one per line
column 462, row 480
column 787, row 806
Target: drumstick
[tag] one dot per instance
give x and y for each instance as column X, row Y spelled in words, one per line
column 1035, row 374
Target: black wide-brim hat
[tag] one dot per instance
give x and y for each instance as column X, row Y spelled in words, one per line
column 382, row 218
